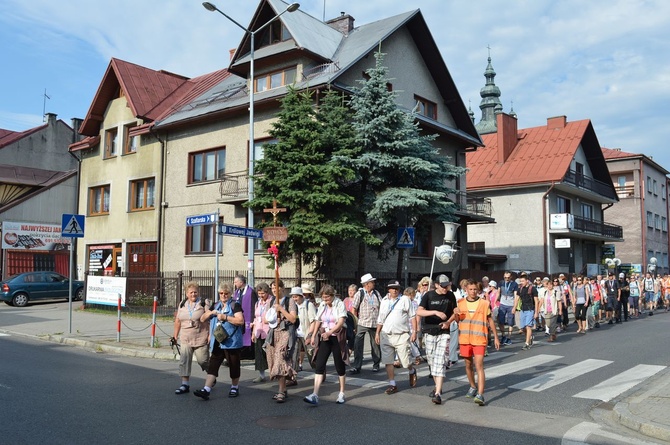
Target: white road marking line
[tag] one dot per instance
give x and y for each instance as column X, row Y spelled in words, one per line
column 519, row 365
column 561, row 375
column 620, row 383
column 580, row 434
column 3, row 334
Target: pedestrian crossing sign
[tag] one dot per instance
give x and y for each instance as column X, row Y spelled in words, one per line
column 72, row 226
column 405, row 238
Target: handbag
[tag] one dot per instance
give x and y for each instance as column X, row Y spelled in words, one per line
column 220, row 334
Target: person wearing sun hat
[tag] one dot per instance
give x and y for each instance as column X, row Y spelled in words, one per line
column 366, row 308
column 393, row 335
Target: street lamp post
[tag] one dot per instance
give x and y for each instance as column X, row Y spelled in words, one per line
column 252, row 146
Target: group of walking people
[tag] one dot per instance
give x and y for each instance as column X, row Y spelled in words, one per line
column 285, row 329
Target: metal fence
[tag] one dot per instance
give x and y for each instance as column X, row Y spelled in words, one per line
column 169, row 287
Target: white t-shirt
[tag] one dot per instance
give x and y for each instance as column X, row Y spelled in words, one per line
column 396, row 314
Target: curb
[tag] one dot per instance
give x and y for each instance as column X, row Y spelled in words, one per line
column 112, row 349
column 638, row 424
column 99, row 347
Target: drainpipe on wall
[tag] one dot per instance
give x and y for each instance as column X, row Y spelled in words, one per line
column 76, row 124
column 545, row 229
column 161, row 189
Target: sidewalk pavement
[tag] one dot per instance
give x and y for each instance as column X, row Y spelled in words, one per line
column 90, row 330
column 645, row 411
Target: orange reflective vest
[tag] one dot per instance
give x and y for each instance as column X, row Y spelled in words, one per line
column 472, row 328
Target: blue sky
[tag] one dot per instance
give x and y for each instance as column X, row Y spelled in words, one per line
column 600, row 60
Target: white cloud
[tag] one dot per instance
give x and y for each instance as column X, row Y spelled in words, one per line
column 604, row 61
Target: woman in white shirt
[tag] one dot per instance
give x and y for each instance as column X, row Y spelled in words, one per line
column 329, row 336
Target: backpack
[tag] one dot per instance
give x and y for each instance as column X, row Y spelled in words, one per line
column 362, row 295
column 352, row 324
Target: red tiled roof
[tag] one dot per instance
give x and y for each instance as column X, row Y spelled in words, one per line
column 7, row 136
column 144, row 89
column 541, row 155
column 85, row 143
column 610, row 153
column 188, row 91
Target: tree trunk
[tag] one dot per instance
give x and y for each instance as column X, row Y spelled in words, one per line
column 361, row 259
column 298, row 268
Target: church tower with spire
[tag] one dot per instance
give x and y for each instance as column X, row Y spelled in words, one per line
column 490, row 104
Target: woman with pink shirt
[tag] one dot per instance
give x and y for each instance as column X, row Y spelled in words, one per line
column 329, row 337
column 260, row 330
column 349, row 299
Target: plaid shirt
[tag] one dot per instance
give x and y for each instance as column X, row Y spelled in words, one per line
column 368, row 308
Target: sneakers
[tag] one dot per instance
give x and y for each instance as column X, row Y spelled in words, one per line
column 183, row 389
column 432, row 393
column 597, row 325
column 202, row 393
column 340, row 398
column 354, row 371
column 479, row 400
column 312, row 399
column 392, row 389
column 503, row 341
column 471, row 393
column 375, row 368
column 437, row 399
column 234, row 392
column 258, row 379
column 508, row 341
column 525, row 347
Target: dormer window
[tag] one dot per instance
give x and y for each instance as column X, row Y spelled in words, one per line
column 275, row 79
column 275, row 32
column 426, row 107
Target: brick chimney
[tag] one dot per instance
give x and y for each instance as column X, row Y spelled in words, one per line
column 344, row 23
column 507, row 135
column 556, row 122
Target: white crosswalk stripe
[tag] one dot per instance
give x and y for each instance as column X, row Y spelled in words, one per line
column 3, row 334
column 519, row 365
column 621, row 383
column 561, row 375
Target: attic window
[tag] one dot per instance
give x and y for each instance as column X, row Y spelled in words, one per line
column 276, row 32
column 426, row 107
column 275, row 80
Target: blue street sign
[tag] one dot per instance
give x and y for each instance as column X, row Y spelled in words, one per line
column 405, row 238
column 72, row 226
column 200, row 220
column 245, row 232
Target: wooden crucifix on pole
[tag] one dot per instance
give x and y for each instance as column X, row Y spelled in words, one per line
column 275, row 235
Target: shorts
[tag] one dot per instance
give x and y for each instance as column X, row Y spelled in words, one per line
column 633, row 302
column 527, row 319
column 437, row 352
column 467, row 351
column 650, row 297
column 390, row 344
column 609, row 306
column 596, row 306
column 505, row 315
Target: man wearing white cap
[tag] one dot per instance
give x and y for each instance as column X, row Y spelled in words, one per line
column 366, row 308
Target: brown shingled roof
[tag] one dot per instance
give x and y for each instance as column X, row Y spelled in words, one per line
column 144, row 89
column 539, row 156
column 151, row 94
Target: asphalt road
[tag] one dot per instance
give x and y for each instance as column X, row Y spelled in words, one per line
column 57, row 394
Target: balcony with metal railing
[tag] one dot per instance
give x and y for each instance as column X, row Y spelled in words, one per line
column 476, row 208
column 234, row 187
column 601, row 228
column 584, row 182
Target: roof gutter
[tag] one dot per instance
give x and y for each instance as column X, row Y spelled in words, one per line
column 545, row 230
